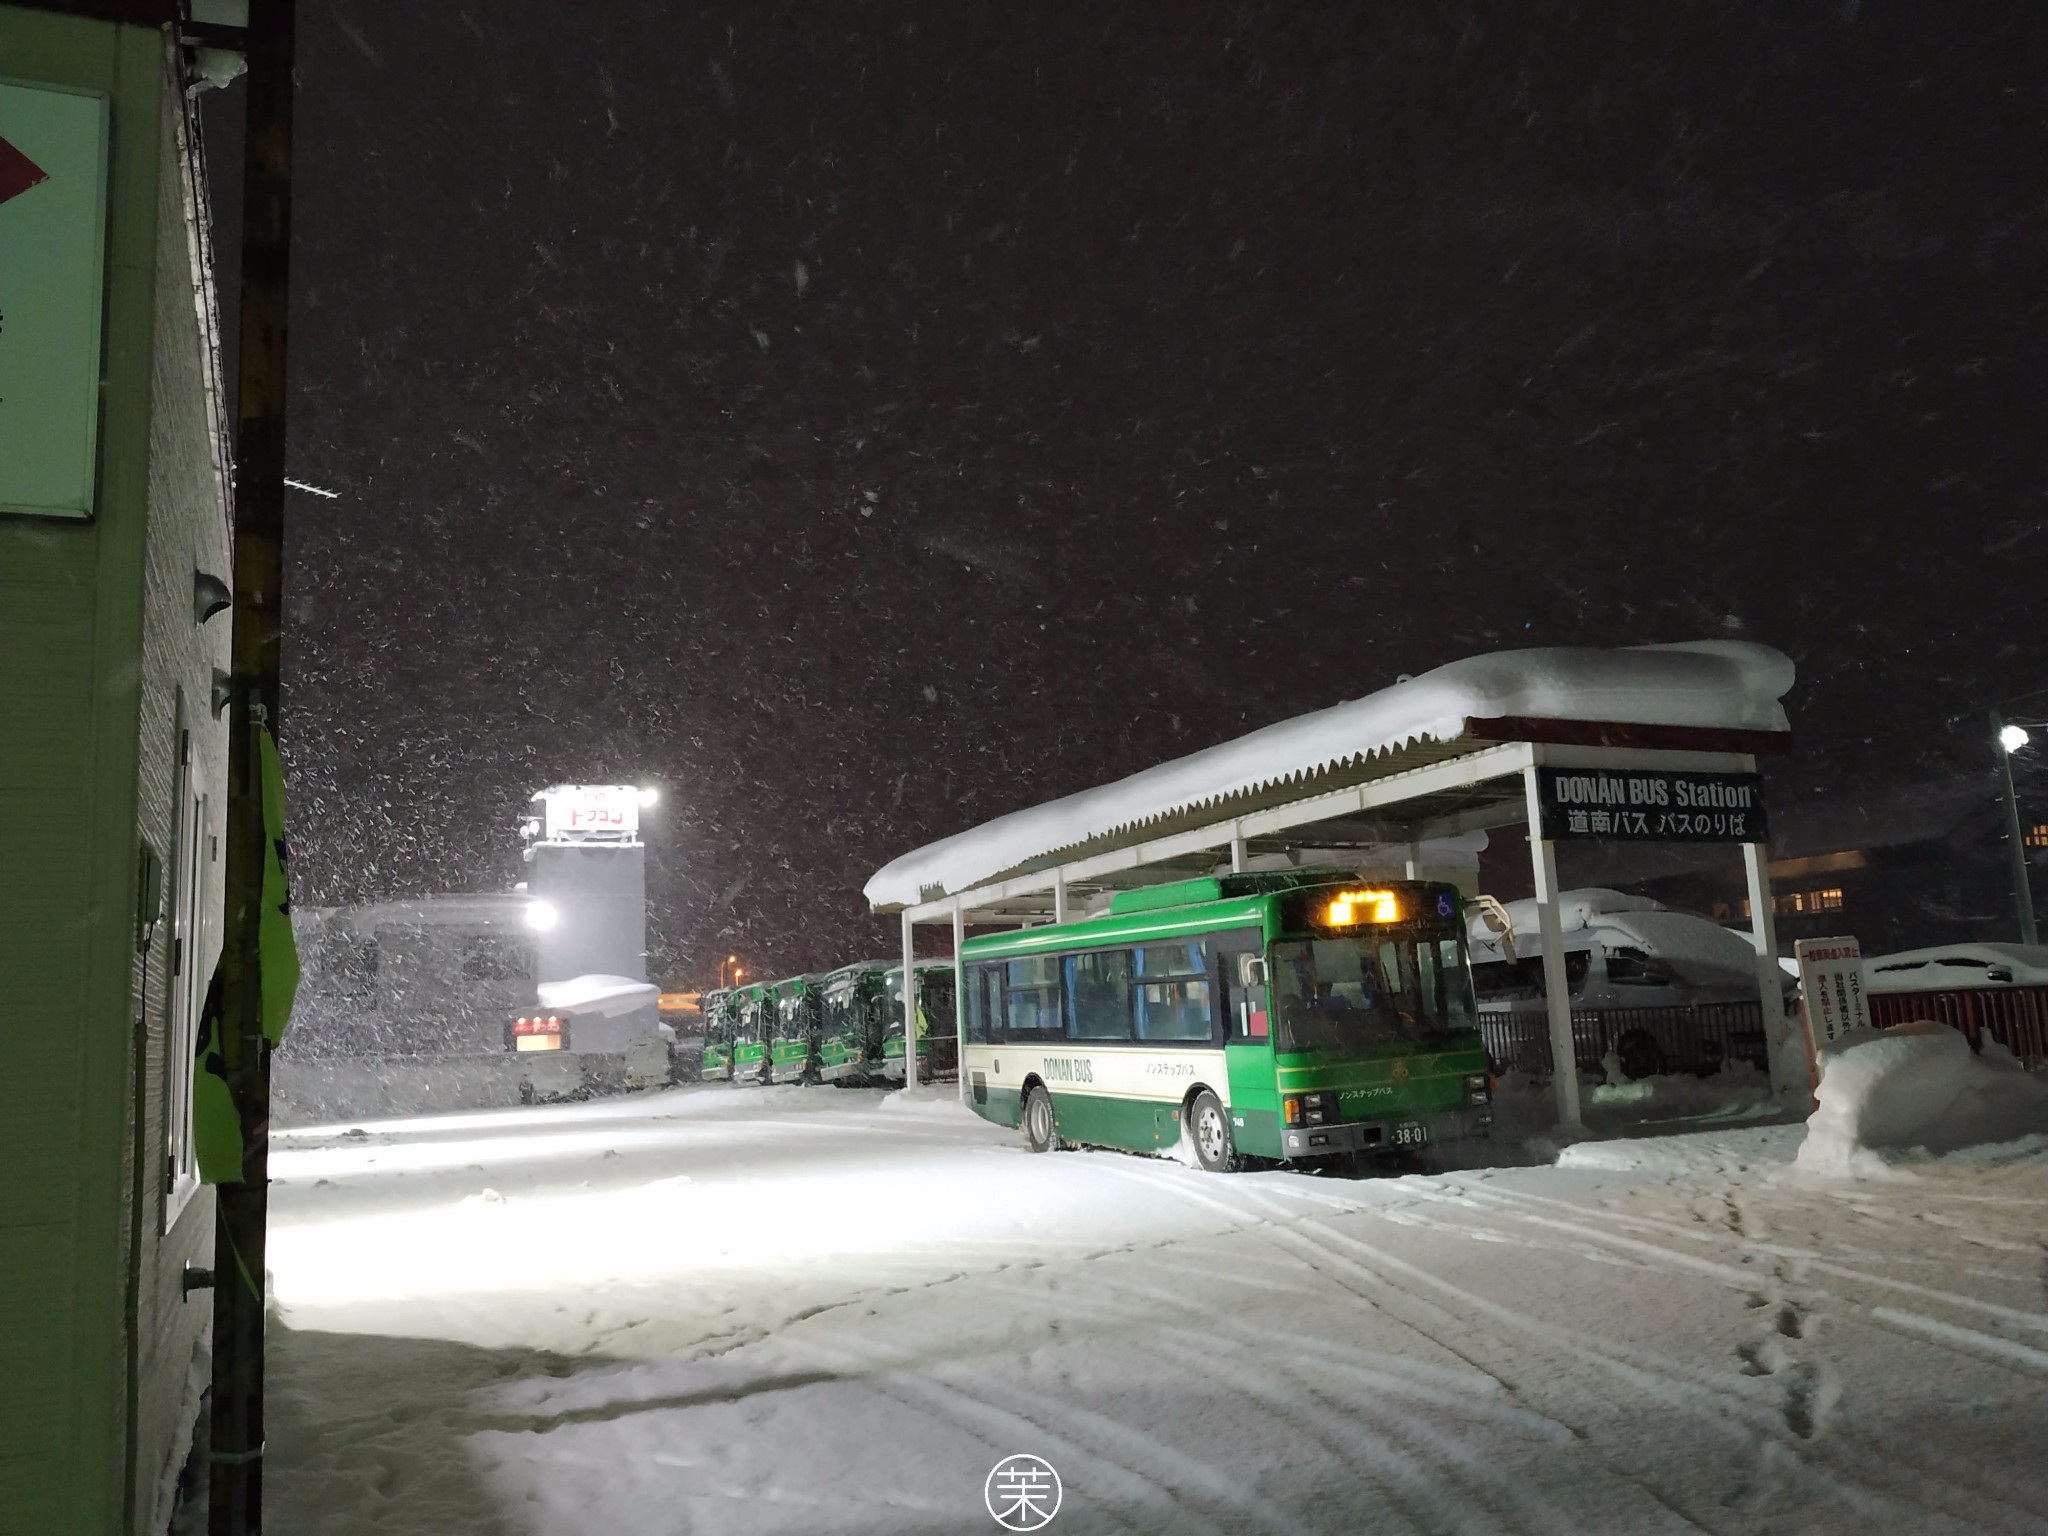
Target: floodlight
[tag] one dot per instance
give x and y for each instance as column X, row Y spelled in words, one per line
column 649, row 795
column 541, row 916
column 2013, row 737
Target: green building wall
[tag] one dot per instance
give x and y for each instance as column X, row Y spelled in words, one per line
column 99, row 1348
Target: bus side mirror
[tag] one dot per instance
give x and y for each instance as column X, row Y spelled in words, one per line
column 1493, row 917
column 1251, row 971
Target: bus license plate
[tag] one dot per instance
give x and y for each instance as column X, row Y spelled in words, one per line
column 1413, row 1134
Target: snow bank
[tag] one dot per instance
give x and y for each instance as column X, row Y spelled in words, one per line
column 607, row 997
column 1733, row 685
column 1917, row 1087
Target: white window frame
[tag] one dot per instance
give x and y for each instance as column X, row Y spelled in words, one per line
column 190, row 963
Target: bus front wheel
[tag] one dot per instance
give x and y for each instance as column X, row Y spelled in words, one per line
column 1041, row 1134
column 1209, row 1133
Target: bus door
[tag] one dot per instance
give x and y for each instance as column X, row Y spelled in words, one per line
column 1245, row 995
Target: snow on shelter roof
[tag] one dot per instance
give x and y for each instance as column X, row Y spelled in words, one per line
column 1723, row 685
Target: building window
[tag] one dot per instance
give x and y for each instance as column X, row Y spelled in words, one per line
column 2037, row 835
column 191, row 959
column 1798, row 903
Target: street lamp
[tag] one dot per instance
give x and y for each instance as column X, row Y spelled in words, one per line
column 728, row 960
column 2011, row 738
column 649, row 796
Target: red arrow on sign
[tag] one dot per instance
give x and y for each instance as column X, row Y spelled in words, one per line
column 17, row 172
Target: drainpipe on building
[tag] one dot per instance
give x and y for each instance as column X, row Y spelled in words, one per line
column 235, row 1481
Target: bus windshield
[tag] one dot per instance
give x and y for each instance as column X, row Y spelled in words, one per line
column 1341, row 993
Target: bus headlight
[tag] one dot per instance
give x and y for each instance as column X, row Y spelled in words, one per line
column 1479, row 1089
column 1318, row 1108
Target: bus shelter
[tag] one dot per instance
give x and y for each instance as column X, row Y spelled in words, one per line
column 1645, row 744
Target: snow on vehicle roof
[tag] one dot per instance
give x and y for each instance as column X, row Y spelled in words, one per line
column 1689, row 942
column 1714, row 684
column 597, row 993
column 1945, row 966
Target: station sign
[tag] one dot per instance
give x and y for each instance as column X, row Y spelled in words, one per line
column 1651, row 805
column 591, row 813
column 53, row 194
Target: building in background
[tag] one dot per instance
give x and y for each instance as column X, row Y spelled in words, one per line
column 114, row 563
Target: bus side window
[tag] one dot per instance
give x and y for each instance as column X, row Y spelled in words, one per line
column 985, row 1003
column 1099, row 993
column 1243, row 1009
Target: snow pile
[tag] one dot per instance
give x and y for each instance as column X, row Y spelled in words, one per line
column 1916, row 1087
column 1729, row 684
column 608, row 997
column 1949, row 966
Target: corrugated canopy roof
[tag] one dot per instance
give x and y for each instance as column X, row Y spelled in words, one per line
column 1683, row 693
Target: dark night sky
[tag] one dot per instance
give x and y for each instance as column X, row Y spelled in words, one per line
column 870, row 419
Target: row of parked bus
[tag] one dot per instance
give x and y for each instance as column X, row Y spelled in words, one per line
column 1278, row 1016
column 843, row 1026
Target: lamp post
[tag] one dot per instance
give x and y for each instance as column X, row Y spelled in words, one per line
column 728, row 960
column 2011, row 738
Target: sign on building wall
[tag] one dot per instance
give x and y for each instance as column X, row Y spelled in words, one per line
column 601, row 813
column 1652, row 805
column 53, row 197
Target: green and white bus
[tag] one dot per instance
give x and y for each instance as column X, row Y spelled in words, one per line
column 799, row 1022
column 856, row 1020
column 719, row 1014
column 1291, row 1015
column 753, row 1029
column 938, row 1054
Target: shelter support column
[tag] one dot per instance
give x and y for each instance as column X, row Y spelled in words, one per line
column 909, row 1002
column 959, row 1000
column 1059, row 896
column 1412, row 866
column 1785, row 1050
column 1236, row 848
column 1556, row 988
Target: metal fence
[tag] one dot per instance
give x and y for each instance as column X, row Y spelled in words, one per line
column 2016, row 1017
column 1699, row 1038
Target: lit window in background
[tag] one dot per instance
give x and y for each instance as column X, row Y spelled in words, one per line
column 2036, row 835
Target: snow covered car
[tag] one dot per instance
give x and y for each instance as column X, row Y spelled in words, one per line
column 1999, row 990
column 1662, row 991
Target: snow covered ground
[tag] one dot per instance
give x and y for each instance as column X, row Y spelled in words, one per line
column 804, row 1310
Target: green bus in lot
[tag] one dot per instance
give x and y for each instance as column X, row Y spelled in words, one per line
column 719, row 1013
column 753, row 1029
column 1287, row 1015
column 856, row 1020
column 799, row 1021
column 938, row 1051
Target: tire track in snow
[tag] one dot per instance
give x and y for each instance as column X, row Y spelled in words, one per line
column 1810, row 1392
column 1167, row 1474
column 1718, row 1409
column 1281, row 1222
column 1805, row 1257
column 1374, row 1401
